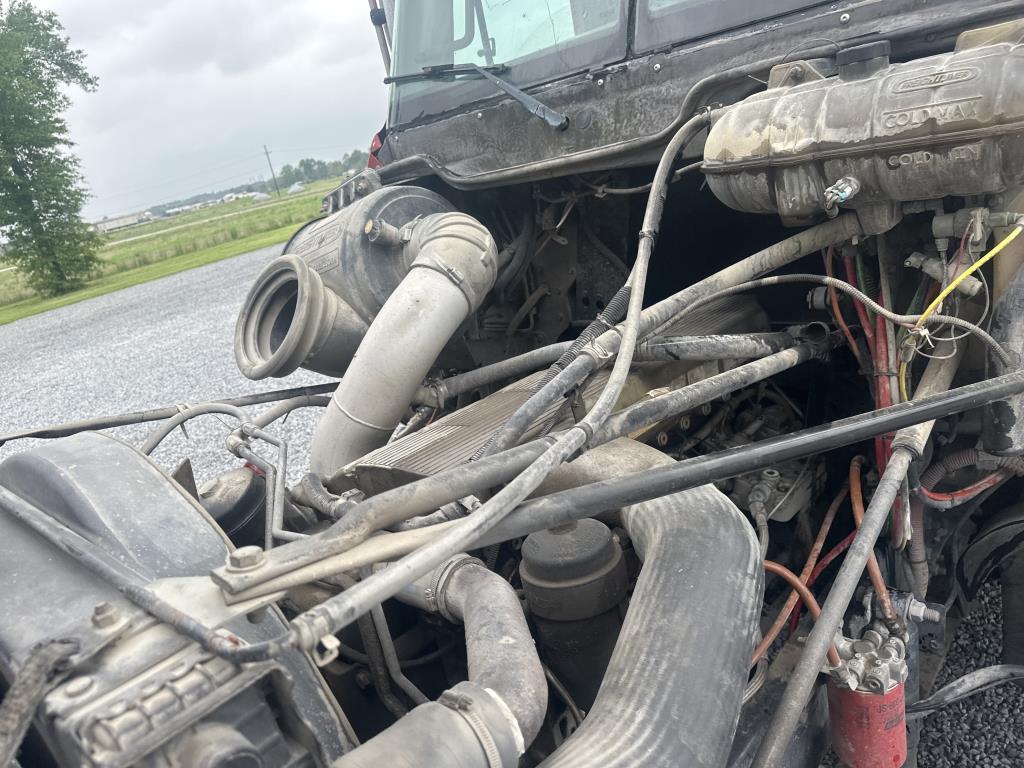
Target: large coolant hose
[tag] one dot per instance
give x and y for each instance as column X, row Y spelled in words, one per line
column 455, row 267
column 673, row 690
column 505, row 674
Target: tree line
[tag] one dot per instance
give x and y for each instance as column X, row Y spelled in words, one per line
column 310, row 169
column 41, row 190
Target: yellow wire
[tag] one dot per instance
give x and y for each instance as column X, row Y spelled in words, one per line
column 902, row 375
column 963, row 275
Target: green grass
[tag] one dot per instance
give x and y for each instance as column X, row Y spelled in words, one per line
column 125, row 279
column 150, row 251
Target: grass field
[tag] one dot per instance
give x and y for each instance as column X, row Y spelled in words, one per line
column 164, row 247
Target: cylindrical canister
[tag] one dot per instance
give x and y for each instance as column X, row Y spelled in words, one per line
column 869, row 730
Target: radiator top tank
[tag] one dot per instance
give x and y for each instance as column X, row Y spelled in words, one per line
column 951, row 124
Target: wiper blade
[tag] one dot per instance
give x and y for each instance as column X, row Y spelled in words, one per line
column 550, row 116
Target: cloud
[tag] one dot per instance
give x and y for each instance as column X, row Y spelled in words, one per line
column 190, row 91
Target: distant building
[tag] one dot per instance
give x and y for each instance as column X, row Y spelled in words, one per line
column 111, row 223
column 296, row 187
column 259, row 195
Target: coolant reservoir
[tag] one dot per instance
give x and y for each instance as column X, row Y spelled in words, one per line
column 951, row 124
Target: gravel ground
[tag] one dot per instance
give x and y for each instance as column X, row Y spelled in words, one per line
column 170, row 341
column 163, row 342
column 987, row 729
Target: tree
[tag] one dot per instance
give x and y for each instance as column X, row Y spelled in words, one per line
column 41, row 192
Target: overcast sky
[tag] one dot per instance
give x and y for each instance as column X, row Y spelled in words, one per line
column 191, row 90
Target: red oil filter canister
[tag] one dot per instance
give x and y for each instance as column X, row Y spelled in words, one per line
column 869, row 730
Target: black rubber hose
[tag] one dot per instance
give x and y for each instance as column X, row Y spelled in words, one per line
column 725, row 347
column 613, row 311
column 427, row 494
column 378, row 667
column 131, row 585
column 667, row 698
column 283, row 408
column 657, row 349
column 436, row 393
column 543, row 397
column 154, row 438
column 159, row 414
column 666, row 406
column 970, row 684
column 31, row 684
column 594, row 498
column 394, row 506
column 522, row 252
column 659, row 316
column 310, row 492
column 501, row 652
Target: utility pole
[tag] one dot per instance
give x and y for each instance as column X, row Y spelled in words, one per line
column 272, row 174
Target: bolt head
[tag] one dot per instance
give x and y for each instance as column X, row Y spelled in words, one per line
column 104, row 615
column 246, row 558
column 844, row 18
column 600, row 81
column 656, row 67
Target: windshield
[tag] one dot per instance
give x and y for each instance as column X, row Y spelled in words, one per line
column 661, row 22
column 537, row 39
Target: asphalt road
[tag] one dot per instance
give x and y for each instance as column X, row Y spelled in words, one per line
column 170, row 341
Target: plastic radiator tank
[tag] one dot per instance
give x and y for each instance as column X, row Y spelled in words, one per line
column 874, row 133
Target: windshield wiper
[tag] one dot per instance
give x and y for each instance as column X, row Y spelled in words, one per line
column 450, row 71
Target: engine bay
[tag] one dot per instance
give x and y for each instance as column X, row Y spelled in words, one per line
column 694, row 464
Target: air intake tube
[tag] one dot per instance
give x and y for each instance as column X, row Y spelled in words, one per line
column 489, row 720
column 454, row 265
column 373, row 293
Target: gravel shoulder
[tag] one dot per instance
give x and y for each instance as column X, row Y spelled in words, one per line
column 155, row 344
column 170, row 341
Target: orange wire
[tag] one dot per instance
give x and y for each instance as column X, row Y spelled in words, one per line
column 874, row 571
column 833, row 296
column 805, row 574
column 807, row 596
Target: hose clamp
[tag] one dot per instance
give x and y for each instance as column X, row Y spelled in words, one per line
column 435, row 592
column 462, row 705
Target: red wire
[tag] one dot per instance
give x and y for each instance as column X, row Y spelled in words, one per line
column 862, row 313
column 824, row 563
column 964, row 494
column 840, row 320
